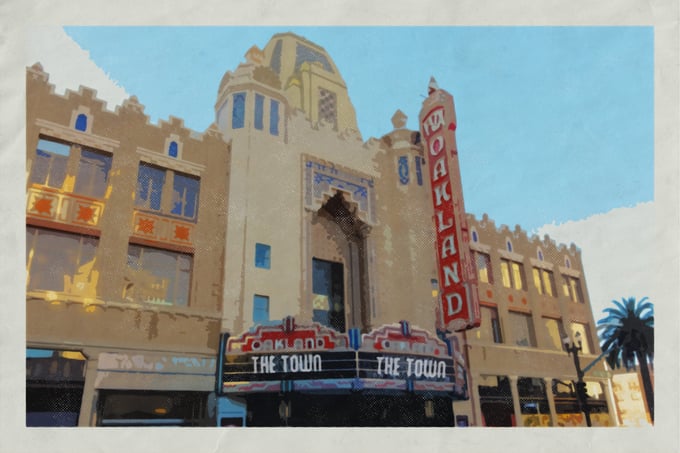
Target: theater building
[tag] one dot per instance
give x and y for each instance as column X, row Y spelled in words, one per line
column 295, row 272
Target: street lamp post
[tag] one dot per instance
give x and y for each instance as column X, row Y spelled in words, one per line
column 574, row 348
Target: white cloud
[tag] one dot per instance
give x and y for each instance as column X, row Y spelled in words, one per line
column 68, row 65
column 618, row 252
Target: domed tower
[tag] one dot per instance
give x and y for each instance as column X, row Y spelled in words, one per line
column 310, row 81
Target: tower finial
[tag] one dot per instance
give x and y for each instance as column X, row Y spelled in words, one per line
column 432, row 86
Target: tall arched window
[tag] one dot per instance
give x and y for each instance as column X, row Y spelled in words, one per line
column 81, row 122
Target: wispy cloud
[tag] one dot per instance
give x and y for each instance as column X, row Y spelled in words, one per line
column 617, row 250
column 69, row 66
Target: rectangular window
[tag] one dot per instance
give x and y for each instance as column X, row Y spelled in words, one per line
column 150, row 181
column 274, row 117
column 572, row 289
column 327, row 107
column 185, row 191
column 185, row 195
column 238, row 111
column 51, row 159
column 484, row 267
column 262, row 256
column 512, row 273
column 158, row 276
column 523, row 329
column 328, row 304
column 51, row 165
column 555, row 332
column 58, row 261
column 260, row 308
column 93, row 173
column 490, row 327
column 259, row 112
column 583, row 332
column 544, row 281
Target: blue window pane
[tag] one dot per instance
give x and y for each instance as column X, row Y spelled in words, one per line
column 259, row 108
column 274, row 118
column 260, row 308
column 185, row 195
column 81, row 122
column 49, row 167
column 93, row 173
column 238, row 113
column 262, row 256
column 150, row 181
column 474, row 236
column 172, row 149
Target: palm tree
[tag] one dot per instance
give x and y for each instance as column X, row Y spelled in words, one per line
column 627, row 337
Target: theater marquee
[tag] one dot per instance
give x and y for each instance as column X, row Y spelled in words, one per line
column 459, row 302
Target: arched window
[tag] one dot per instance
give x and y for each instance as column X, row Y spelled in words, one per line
column 475, row 238
column 567, row 262
column 173, row 149
column 508, row 245
column 81, row 122
column 540, row 255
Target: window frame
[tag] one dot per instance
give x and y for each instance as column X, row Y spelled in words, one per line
column 263, row 255
column 512, row 273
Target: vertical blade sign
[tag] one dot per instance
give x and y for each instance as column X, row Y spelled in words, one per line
column 459, row 301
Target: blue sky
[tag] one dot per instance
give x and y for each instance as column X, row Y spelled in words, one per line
column 554, row 123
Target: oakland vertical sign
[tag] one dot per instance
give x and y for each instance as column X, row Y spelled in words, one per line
column 459, row 301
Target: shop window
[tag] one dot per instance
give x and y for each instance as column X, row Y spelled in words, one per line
column 533, row 400
column 523, row 328
column 555, row 331
column 571, row 287
column 157, row 276
column 173, row 149
column 490, row 327
column 151, row 408
column 58, row 261
column 512, row 274
column 260, row 309
column 483, row 267
column 262, row 256
column 583, row 333
column 328, row 294
column 238, row 111
column 259, row 112
column 150, row 183
column 81, row 122
column 544, row 281
column 274, row 117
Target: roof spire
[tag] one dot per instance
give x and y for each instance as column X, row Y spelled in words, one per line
column 432, row 86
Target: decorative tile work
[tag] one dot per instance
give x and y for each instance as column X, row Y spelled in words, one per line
column 321, row 178
column 50, row 204
column 162, row 229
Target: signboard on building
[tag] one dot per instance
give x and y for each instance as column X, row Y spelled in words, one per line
column 288, row 357
column 261, row 359
column 459, row 302
column 402, row 357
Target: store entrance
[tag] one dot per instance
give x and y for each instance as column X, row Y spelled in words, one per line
column 327, row 410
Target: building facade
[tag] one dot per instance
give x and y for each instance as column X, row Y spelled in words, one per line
column 276, row 269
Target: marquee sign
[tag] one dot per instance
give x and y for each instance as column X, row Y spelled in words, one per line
column 287, row 357
column 407, row 358
column 271, row 354
column 459, row 302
